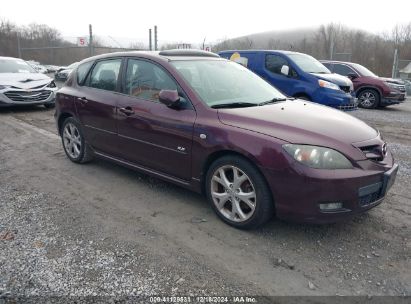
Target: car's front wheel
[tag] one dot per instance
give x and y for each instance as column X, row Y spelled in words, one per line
column 49, row 105
column 239, row 193
column 369, row 99
column 74, row 144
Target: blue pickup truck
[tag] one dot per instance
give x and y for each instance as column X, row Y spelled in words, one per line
column 298, row 75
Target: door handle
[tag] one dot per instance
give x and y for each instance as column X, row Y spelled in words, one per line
column 127, row 111
column 83, row 100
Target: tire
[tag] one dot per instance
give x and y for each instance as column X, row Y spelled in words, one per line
column 78, row 151
column 368, row 99
column 50, row 105
column 221, row 197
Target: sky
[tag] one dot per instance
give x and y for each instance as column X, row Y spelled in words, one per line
column 193, row 21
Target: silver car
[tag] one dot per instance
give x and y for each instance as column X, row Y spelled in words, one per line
column 21, row 84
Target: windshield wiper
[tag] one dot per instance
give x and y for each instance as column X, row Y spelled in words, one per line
column 274, row 100
column 234, row 105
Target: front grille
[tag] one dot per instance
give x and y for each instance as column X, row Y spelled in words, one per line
column 370, row 194
column 348, row 107
column 369, row 198
column 22, row 96
column 346, row 89
column 374, row 152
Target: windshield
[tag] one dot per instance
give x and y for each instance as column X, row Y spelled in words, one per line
column 363, row 70
column 225, row 82
column 309, row 64
column 15, row 66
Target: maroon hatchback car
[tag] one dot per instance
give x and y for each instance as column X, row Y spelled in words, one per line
column 212, row 126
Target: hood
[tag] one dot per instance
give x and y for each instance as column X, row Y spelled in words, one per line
column 335, row 78
column 392, row 80
column 302, row 122
column 24, row 80
column 66, row 71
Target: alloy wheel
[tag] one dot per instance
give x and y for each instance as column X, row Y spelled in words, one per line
column 233, row 193
column 72, row 140
column 367, row 99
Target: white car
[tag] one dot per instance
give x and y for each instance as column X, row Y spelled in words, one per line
column 63, row 73
column 21, row 84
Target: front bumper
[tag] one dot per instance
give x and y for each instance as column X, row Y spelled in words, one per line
column 12, row 97
column 336, row 99
column 298, row 191
column 393, row 98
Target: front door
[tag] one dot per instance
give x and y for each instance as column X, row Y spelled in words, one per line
column 345, row 70
column 272, row 73
column 150, row 133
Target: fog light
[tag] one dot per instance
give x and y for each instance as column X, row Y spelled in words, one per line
column 331, row 206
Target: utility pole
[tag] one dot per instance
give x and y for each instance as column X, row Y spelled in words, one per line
column 331, row 44
column 18, row 45
column 204, row 43
column 90, row 40
column 150, row 43
column 155, row 38
column 394, row 64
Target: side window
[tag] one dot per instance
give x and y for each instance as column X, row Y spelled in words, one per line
column 328, row 65
column 145, row 80
column 342, row 69
column 82, row 71
column 273, row 63
column 105, row 74
column 293, row 73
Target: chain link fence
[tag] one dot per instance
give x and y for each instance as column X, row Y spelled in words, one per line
column 63, row 56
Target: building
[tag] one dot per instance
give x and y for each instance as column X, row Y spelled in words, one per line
column 405, row 73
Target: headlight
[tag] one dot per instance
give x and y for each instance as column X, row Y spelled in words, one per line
column 392, row 85
column 328, row 85
column 51, row 85
column 2, row 87
column 318, row 157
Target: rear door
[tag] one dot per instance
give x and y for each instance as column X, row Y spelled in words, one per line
column 96, row 104
column 150, row 133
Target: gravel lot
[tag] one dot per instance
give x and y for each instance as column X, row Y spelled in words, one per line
column 100, row 229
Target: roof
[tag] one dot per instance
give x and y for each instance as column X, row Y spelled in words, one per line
column 262, row 51
column 10, row 58
column 336, row 61
column 188, row 52
column 168, row 55
column 407, row 69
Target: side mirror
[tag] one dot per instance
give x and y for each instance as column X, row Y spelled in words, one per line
column 285, row 69
column 352, row 75
column 170, row 98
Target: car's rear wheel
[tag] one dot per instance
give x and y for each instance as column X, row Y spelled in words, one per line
column 74, row 144
column 239, row 193
column 369, row 99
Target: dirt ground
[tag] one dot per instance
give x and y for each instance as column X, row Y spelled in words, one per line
column 101, row 229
